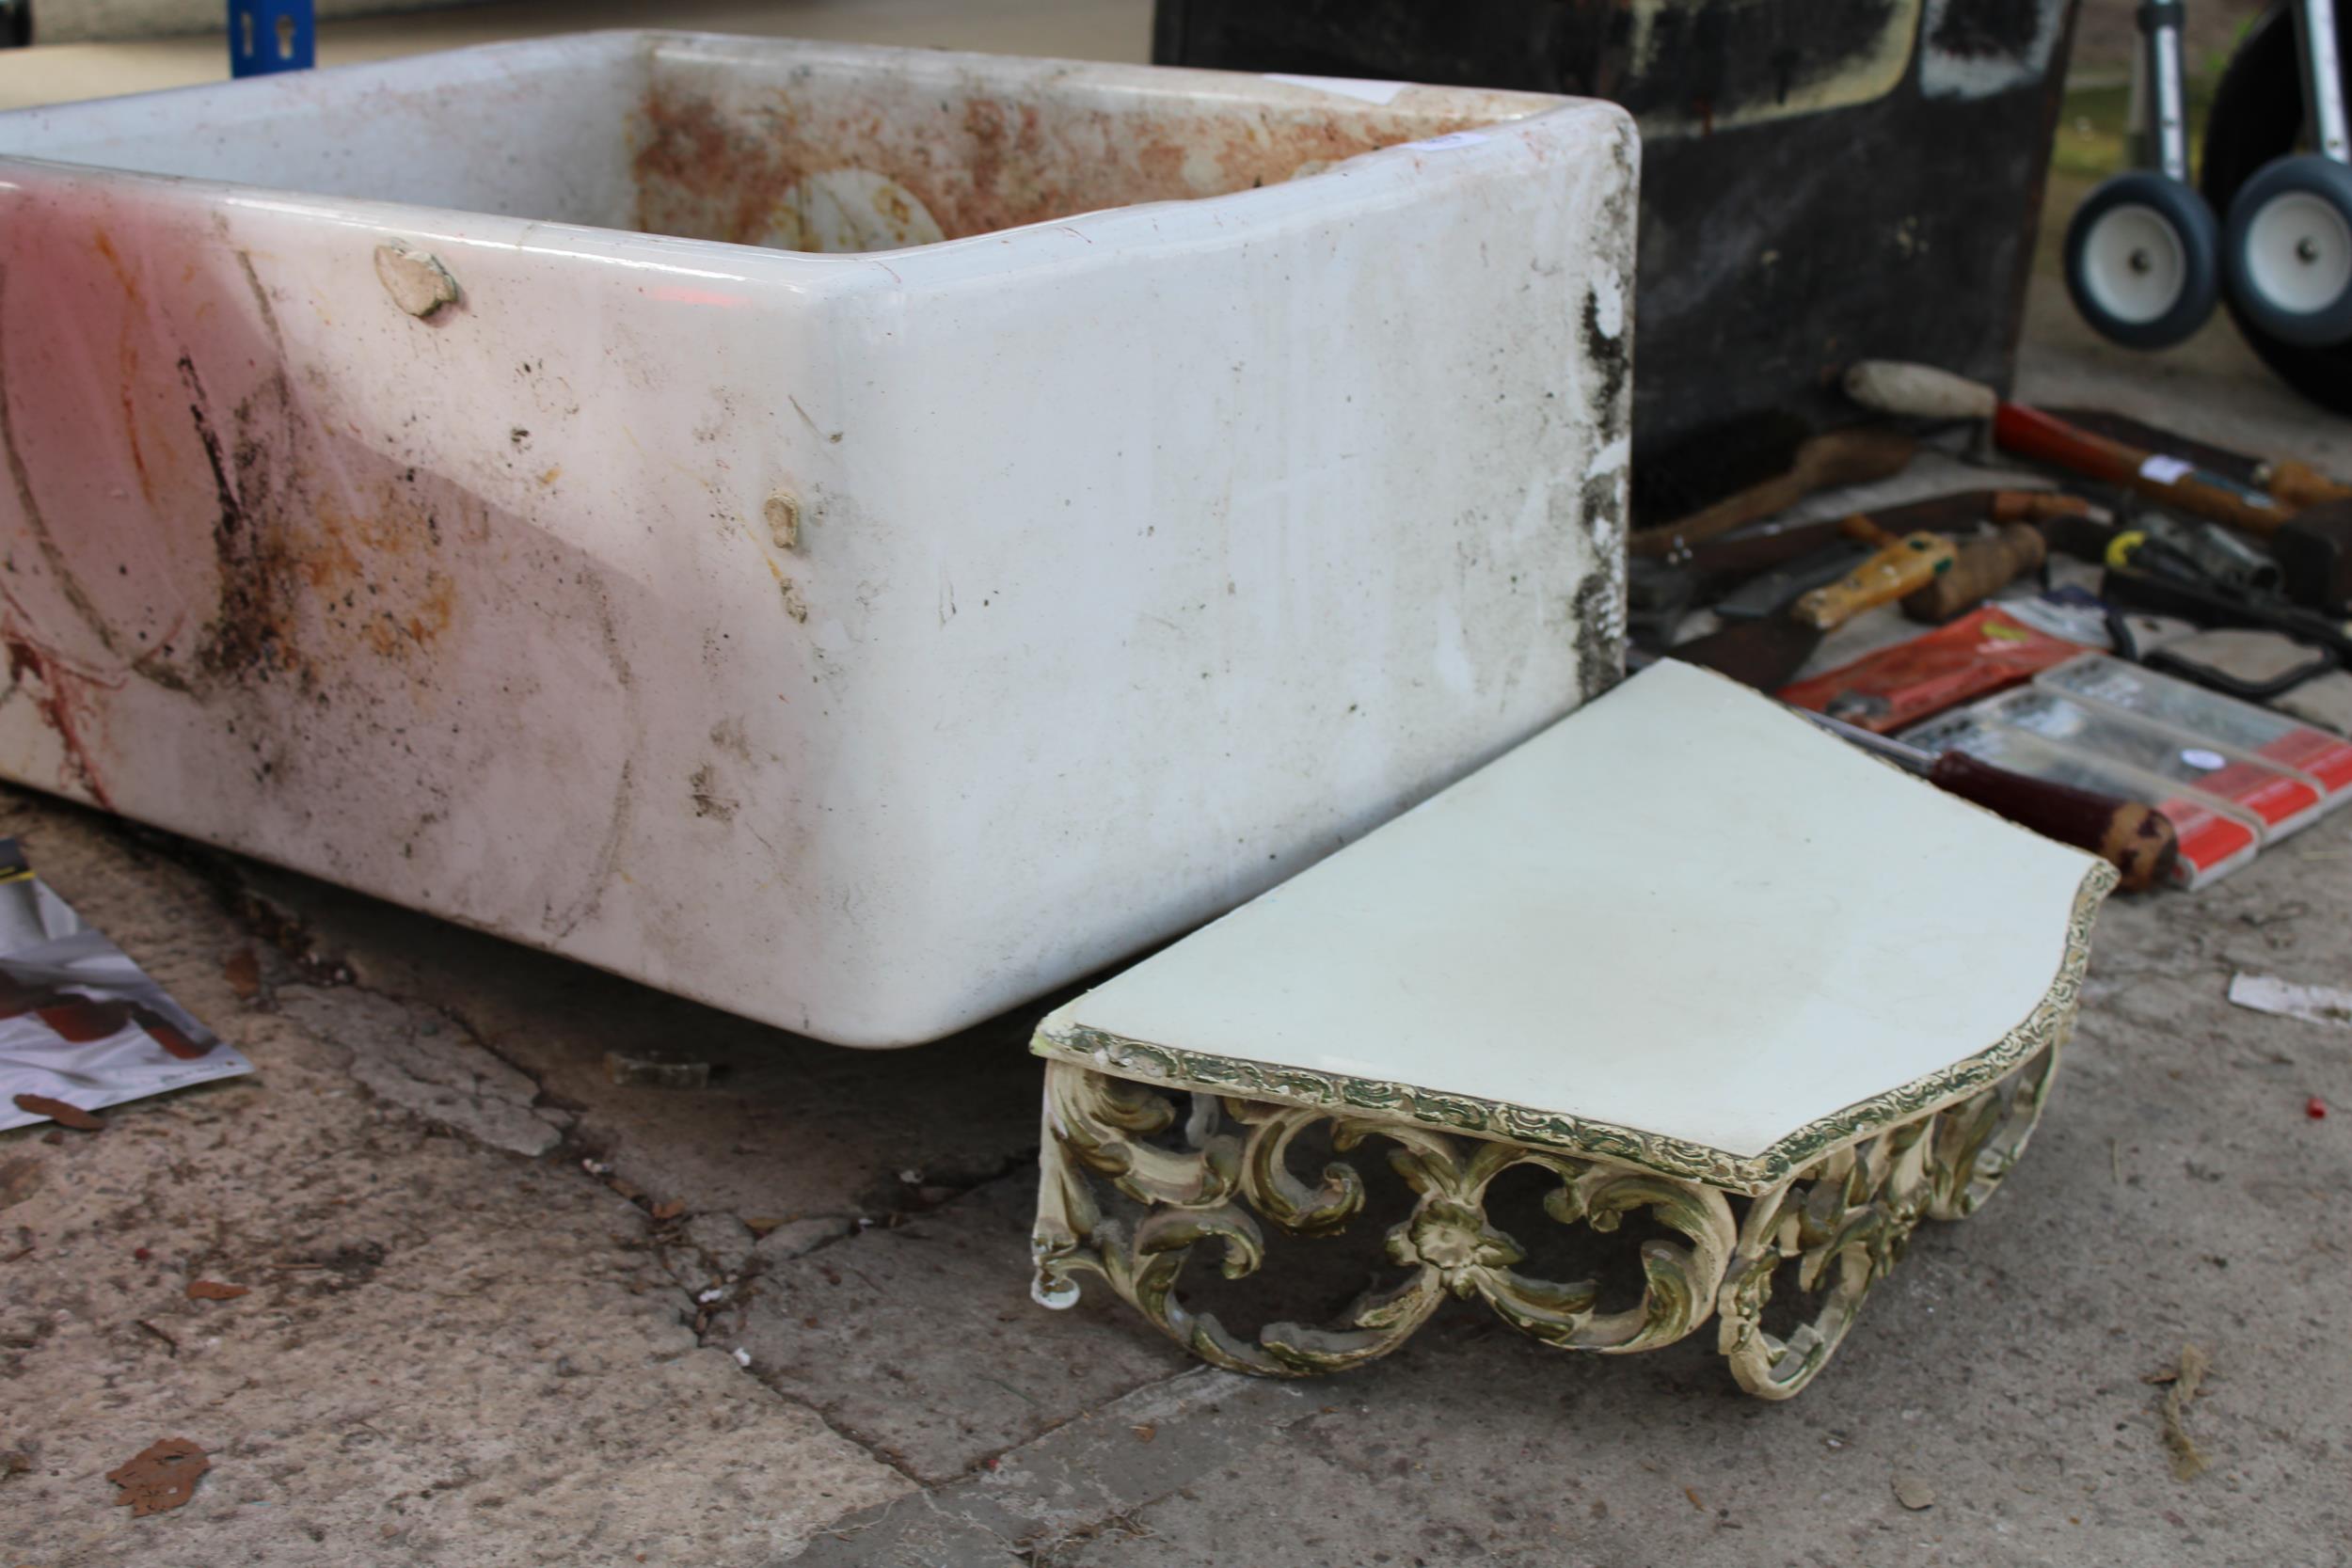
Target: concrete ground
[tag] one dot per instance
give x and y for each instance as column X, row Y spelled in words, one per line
column 502, row 1311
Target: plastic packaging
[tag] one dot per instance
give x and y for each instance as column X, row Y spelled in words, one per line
column 2322, row 759
column 2215, row 838
column 1982, row 652
column 2281, row 800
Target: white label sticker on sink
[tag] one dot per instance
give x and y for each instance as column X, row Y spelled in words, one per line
column 1453, row 140
column 2197, row 757
column 1346, row 87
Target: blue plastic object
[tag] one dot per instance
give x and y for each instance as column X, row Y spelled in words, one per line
column 265, row 36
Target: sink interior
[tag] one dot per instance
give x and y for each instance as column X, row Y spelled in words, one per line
column 753, row 141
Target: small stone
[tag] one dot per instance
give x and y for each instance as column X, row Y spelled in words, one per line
column 1912, row 1491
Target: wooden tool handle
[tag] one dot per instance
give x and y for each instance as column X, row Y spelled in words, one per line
column 1979, row 567
column 2135, row 839
column 2032, row 434
column 2036, row 506
column 1821, row 463
column 1905, row 566
column 2299, row 486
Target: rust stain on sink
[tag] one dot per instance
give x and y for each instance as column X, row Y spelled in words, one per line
column 747, row 168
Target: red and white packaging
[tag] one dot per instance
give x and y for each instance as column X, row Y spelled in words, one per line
column 2216, row 838
column 2323, row 760
column 1984, row 651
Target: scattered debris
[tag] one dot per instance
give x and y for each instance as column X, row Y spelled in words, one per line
column 81, row 1018
column 20, row 1178
column 656, row 1068
column 2268, row 993
column 243, row 971
column 2188, row 1460
column 160, row 1334
column 39, row 1105
column 213, row 1289
column 668, row 1212
column 2315, row 1108
column 1695, row 1499
column 1912, row 1491
column 1145, row 1433
column 161, row 1476
column 742, row 1357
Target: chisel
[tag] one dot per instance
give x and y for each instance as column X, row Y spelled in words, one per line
column 1765, row 653
column 2313, row 543
column 2135, row 839
column 1828, row 462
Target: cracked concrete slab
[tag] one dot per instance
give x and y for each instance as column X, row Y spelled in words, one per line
column 1077, row 1480
column 922, row 1343
column 447, row 1352
column 422, row 1061
column 788, row 1129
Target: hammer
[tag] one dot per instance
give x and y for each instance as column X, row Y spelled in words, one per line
column 2313, row 545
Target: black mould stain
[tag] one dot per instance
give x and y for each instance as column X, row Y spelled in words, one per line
column 1597, row 653
column 2003, row 29
column 1611, row 362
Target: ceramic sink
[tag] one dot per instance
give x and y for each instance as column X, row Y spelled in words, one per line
column 860, row 537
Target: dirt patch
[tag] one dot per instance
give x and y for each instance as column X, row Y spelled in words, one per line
column 323, row 554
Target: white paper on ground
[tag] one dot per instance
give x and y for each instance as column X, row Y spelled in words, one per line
column 128, row 1038
column 2268, row 993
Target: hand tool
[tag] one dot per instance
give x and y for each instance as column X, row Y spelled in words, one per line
column 2297, row 484
column 2135, row 839
column 1662, row 589
column 2313, row 546
column 1822, row 462
column 2147, row 581
column 1765, row 653
column 1769, row 593
column 1980, row 566
column 2249, row 664
column 2221, row 555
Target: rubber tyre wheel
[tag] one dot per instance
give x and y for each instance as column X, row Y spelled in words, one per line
column 2321, row 190
column 2144, row 211
column 2256, row 118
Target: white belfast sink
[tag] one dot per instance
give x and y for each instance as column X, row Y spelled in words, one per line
column 1112, row 523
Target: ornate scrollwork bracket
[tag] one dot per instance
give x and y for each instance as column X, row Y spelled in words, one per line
column 1134, row 1178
